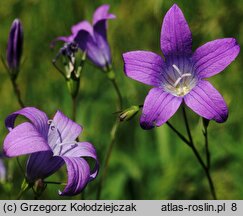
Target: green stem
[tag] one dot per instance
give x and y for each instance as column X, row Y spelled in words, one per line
column 111, row 77
column 17, row 93
column 178, row 133
column 187, row 125
column 20, row 166
column 107, row 159
column 118, row 92
column 52, row 182
column 208, row 158
column 24, row 188
column 74, row 108
column 196, row 153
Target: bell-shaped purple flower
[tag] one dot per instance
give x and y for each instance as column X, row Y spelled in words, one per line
column 93, row 38
column 15, row 45
column 181, row 76
column 51, row 144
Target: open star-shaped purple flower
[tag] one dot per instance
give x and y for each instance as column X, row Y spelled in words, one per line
column 51, row 143
column 93, row 38
column 181, row 76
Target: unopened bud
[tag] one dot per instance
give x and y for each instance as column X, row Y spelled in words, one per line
column 128, row 113
column 39, row 186
column 15, row 48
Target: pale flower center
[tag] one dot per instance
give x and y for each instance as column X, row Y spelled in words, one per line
column 59, row 147
column 179, row 83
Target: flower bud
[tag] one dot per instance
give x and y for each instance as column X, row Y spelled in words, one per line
column 15, row 47
column 128, row 113
column 39, row 187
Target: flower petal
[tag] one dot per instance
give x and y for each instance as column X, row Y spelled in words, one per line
column 144, row 66
column 159, row 106
column 101, row 39
column 83, row 25
column 24, row 139
column 38, row 118
column 65, row 39
column 101, row 13
column 82, row 33
column 78, row 175
column 42, row 164
column 215, row 56
column 67, row 129
column 176, row 37
column 206, row 101
column 95, row 53
column 83, row 149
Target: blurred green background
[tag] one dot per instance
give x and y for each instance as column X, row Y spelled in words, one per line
column 151, row 164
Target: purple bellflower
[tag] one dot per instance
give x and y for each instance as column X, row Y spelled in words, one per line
column 181, row 76
column 15, row 45
column 50, row 143
column 93, row 38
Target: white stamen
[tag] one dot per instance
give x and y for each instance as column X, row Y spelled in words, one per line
column 177, row 81
column 186, row 75
column 180, row 78
column 177, row 69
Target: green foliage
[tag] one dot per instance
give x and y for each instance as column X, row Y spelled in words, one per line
column 145, row 164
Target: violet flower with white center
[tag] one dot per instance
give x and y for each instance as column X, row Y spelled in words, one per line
column 93, row 38
column 51, row 144
column 181, row 76
column 15, row 45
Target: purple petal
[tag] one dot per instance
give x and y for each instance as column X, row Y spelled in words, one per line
column 67, row 130
column 66, row 39
column 38, row 118
column 159, row 106
column 83, row 149
column 78, row 175
column 206, row 101
column 101, row 13
column 24, row 139
column 95, row 54
column 215, row 56
column 81, row 33
column 101, row 40
column 42, row 164
column 176, row 37
column 83, row 25
column 144, row 66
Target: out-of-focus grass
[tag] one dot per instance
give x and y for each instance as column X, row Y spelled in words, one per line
column 145, row 164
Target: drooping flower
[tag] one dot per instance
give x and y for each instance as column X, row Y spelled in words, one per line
column 50, row 143
column 181, row 76
column 93, row 38
column 15, row 45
